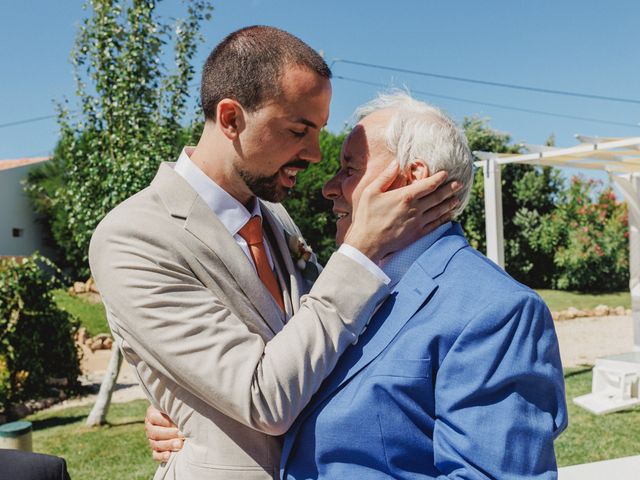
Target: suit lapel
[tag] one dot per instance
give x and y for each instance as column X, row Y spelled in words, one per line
column 414, row 290
column 295, row 282
column 405, row 299
column 281, row 258
column 183, row 202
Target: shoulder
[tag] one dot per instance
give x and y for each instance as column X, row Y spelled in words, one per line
column 167, row 200
column 133, row 214
column 480, row 292
column 484, row 278
column 139, row 225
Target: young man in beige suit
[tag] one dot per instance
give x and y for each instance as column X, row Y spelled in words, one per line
column 213, row 318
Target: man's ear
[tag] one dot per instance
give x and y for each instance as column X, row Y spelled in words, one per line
column 230, row 118
column 417, row 170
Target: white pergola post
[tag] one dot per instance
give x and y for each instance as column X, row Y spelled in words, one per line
column 630, row 187
column 493, row 211
column 634, row 264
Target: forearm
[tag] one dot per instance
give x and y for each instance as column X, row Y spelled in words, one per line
column 180, row 329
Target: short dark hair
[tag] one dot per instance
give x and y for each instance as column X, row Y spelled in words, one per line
column 248, row 65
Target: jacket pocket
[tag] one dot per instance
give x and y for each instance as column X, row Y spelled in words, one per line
column 403, row 398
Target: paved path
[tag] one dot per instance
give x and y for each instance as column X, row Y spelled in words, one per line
column 627, row 468
column 94, row 365
column 582, row 340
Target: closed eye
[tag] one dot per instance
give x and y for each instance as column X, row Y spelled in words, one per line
column 298, row 134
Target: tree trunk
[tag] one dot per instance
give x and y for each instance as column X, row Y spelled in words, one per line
column 99, row 411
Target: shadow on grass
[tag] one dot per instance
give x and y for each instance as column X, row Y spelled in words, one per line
column 124, row 424
column 578, row 371
column 55, row 422
column 622, row 413
column 60, row 421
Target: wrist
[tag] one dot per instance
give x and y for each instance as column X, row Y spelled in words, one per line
column 369, row 249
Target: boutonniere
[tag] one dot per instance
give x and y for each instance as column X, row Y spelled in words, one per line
column 301, row 254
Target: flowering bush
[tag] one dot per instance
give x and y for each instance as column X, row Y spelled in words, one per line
column 587, row 234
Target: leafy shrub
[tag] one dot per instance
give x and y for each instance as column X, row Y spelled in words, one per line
column 37, row 349
column 528, row 192
column 587, row 234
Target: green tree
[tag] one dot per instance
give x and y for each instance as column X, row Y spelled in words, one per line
column 131, row 106
column 528, row 193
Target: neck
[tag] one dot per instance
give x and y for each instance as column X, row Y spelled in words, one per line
column 215, row 157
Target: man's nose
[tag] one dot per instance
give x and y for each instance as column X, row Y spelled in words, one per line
column 311, row 152
column 331, row 189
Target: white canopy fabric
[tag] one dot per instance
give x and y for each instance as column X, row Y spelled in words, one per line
column 620, row 157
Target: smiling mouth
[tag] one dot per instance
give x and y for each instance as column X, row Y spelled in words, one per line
column 288, row 176
column 340, row 215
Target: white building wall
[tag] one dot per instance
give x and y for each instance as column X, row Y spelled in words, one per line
column 16, row 212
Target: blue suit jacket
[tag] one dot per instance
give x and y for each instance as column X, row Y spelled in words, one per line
column 457, row 376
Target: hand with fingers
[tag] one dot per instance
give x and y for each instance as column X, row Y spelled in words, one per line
column 387, row 220
column 163, row 435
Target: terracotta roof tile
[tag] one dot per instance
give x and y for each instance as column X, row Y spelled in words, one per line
column 21, row 162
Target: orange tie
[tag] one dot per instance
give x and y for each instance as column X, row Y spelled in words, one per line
column 252, row 233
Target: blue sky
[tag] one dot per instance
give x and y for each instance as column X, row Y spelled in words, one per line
column 572, row 45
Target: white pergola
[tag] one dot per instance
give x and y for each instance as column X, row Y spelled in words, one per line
column 620, row 157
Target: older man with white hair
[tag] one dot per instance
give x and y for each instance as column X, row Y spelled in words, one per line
column 458, row 374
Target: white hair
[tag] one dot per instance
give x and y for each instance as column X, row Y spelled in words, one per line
column 418, row 130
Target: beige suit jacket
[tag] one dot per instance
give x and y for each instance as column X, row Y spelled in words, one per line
column 208, row 342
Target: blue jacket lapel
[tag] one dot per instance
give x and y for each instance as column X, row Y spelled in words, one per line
column 399, row 307
column 414, row 290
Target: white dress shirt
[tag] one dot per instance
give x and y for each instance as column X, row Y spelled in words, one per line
column 234, row 214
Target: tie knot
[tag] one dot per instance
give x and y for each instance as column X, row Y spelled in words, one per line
column 252, row 231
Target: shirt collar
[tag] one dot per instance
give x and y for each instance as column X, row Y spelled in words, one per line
column 397, row 264
column 229, row 210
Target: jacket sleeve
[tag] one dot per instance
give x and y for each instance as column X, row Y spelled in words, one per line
column 500, row 399
column 178, row 327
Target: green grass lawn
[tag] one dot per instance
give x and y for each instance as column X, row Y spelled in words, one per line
column 559, row 300
column 92, row 315
column 591, row 438
column 117, row 450
column 120, row 450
